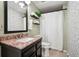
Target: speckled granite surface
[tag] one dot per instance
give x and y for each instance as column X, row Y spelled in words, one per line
column 20, row 45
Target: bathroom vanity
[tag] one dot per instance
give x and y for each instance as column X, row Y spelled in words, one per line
column 19, row 48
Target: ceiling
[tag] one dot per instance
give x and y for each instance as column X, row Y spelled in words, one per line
column 49, row 6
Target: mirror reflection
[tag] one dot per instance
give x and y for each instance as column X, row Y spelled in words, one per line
column 15, row 16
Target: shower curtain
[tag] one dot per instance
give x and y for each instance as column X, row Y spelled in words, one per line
column 51, row 29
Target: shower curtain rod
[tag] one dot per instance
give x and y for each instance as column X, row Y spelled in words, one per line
column 54, row 11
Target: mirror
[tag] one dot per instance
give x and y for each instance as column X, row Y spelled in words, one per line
column 15, row 17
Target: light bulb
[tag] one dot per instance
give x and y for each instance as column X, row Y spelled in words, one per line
column 21, row 4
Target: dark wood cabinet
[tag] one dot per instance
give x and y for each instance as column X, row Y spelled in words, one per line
column 33, row 50
column 38, row 52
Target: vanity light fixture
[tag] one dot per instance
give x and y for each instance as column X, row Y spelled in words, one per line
column 21, row 3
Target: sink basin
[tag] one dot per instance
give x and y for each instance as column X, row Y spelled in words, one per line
column 24, row 40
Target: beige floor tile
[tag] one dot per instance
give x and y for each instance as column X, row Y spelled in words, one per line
column 56, row 53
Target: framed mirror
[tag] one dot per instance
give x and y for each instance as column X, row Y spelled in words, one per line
column 15, row 17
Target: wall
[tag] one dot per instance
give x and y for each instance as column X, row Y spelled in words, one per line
column 71, row 29
column 65, row 28
column 35, row 28
column 1, row 18
column 73, row 19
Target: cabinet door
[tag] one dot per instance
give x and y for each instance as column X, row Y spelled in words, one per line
column 29, row 52
column 38, row 44
column 33, row 55
column 39, row 52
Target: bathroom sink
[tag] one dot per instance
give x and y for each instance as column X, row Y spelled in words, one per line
column 24, row 40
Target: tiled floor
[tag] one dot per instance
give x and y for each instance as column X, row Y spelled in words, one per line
column 56, row 53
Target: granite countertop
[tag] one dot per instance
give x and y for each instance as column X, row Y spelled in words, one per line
column 20, row 45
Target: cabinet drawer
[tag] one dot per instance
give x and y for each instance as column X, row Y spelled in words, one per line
column 29, row 52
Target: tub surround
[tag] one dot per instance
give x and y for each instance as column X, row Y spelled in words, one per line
column 11, row 45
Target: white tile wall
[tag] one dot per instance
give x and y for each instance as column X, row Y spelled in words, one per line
column 73, row 18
